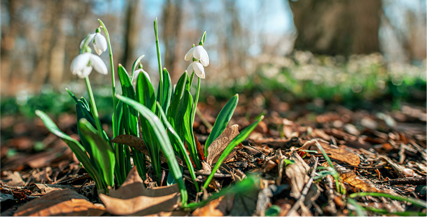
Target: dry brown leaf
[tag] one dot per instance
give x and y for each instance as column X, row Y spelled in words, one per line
column 297, row 173
column 13, row 179
column 132, row 198
column 138, row 144
column 64, row 202
column 219, row 144
column 334, row 153
column 217, row 207
column 352, row 179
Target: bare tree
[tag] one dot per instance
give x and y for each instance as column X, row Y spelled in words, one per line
column 337, row 27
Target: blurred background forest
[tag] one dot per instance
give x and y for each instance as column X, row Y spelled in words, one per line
column 332, row 49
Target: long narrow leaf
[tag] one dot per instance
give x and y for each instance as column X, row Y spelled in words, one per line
column 237, row 140
column 221, row 121
column 174, row 137
column 163, row 140
column 135, row 64
column 75, row 146
column 101, row 149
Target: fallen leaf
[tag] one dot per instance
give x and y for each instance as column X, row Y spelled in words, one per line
column 349, row 177
column 217, row 207
column 245, row 203
column 219, row 144
column 138, row 144
column 334, row 153
column 64, row 202
column 297, row 173
column 42, row 189
column 13, row 179
column 132, row 198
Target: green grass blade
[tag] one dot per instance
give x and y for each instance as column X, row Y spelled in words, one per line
column 221, row 121
column 416, row 202
column 163, row 140
column 359, row 209
column 174, row 137
column 237, row 140
column 101, row 149
column 75, row 146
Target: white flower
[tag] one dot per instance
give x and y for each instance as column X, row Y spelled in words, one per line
column 199, row 53
column 136, row 73
column 83, row 64
column 99, row 42
column 197, row 68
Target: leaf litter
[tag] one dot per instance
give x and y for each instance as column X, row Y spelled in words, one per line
column 370, row 154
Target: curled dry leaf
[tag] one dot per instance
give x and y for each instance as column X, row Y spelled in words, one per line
column 132, row 198
column 297, row 173
column 352, row 179
column 64, row 202
column 334, row 153
column 219, row 144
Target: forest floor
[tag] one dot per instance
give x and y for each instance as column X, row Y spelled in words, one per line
column 287, row 157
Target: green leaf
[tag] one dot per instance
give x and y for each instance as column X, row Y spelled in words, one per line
column 174, row 137
column 75, row 146
column 101, row 149
column 243, row 186
column 130, row 114
column 221, row 121
column 145, row 92
column 176, row 97
column 273, row 211
column 162, row 138
column 135, row 64
column 237, row 140
column 165, row 94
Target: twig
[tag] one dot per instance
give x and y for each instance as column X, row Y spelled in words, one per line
column 305, row 190
column 401, row 181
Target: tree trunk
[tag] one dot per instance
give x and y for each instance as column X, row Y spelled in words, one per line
column 334, row 27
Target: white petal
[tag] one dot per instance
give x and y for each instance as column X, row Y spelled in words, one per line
column 98, row 64
column 85, row 72
column 100, row 43
column 199, row 70
column 89, row 40
column 205, row 58
column 80, row 62
column 189, row 55
column 190, row 68
column 198, row 51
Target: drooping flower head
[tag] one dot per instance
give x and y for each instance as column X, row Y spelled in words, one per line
column 99, row 42
column 83, row 64
column 199, row 53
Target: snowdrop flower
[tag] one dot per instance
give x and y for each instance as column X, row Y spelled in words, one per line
column 197, row 68
column 199, row 53
column 135, row 76
column 83, row 64
column 99, row 42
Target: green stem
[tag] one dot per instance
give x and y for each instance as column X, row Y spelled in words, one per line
column 93, row 109
column 159, row 60
column 113, row 82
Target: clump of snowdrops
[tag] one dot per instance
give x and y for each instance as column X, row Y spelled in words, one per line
column 163, row 118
